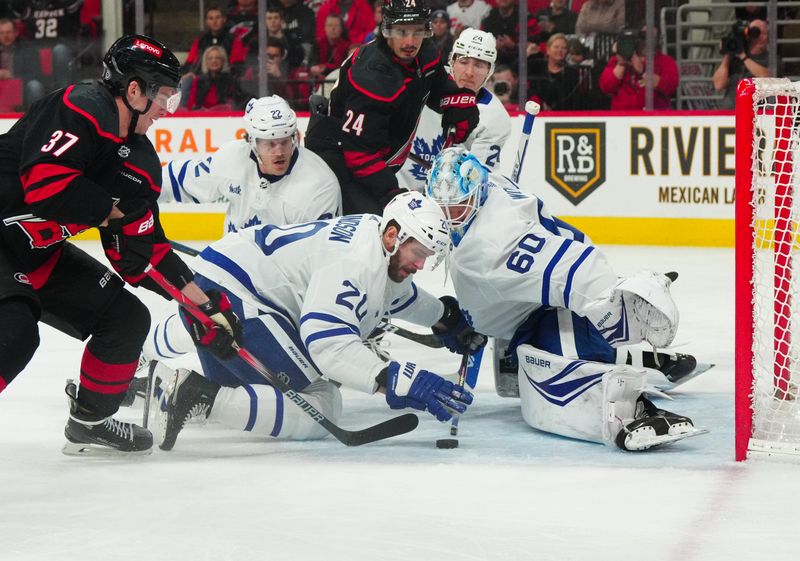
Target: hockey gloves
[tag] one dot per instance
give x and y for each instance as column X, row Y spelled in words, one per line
column 227, row 331
column 409, row 386
column 130, row 243
column 454, row 331
column 459, row 116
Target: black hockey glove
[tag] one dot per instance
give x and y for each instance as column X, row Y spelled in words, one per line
column 131, row 244
column 221, row 338
column 459, row 116
column 455, row 332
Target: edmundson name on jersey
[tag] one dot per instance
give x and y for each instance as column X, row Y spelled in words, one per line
column 687, row 194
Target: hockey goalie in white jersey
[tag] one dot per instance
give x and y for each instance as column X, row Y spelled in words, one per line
column 471, row 65
column 528, row 278
column 307, row 295
column 266, row 178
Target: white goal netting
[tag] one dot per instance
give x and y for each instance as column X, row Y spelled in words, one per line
column 775, row 208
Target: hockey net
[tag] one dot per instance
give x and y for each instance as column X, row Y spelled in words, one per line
column 767, row 286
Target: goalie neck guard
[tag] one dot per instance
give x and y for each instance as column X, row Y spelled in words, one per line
column 458, row 182
column 420, row 218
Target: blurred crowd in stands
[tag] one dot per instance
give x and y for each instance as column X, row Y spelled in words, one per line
column 581, row 54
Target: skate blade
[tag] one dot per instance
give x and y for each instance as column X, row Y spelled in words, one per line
column 646, row 438
column 95, row 450
column 661, row 382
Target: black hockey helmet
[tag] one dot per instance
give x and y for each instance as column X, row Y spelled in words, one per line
column 142, row 58
column 402, row 12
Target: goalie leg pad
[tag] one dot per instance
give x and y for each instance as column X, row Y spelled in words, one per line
column 264, row 411
column 575, row 398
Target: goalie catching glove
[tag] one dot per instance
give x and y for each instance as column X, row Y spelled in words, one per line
column 226, row 335
column 460, row 116
column 131, row 244
column 454, row 331
column 409, row 386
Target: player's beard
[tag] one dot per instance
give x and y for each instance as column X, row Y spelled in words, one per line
column 398, row 273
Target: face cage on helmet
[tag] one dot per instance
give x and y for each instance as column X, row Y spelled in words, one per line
column 440, row 251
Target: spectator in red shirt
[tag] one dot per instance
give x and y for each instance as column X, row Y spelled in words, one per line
column 216, row 87
column 358, row 17
column 331, row 52
column 624, row 77
column 216, row 33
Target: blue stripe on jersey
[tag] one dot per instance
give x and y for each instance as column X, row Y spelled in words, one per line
column 324, row 334
column 331, row 319
column 577, row 234
column 226, row 264
column 251, row 420
column 548, row 271
column 175, row 183
column 166, row 339
column 276, row 428
column 411, row 300
column 571, row 274
column 548, row 223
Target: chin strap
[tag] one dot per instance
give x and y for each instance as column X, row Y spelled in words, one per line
column 134, row 113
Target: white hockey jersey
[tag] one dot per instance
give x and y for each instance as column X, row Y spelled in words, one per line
column 330, row 279
column 308, row 191
column 516, row 257
column 485, row 142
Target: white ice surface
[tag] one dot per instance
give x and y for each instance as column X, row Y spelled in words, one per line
column 507, row 493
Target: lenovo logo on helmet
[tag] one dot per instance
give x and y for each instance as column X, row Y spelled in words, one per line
column 139, row 44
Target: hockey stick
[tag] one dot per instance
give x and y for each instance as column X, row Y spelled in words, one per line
column 431, row 340
column 393, row 427
column 419, row 161
column 183, row 248
column 462, row 377
column 531, row 110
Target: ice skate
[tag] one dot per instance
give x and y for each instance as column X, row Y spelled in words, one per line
column 506, row 375
column 89, row 434
column 189, row 396
column 138, row 386
column 654, row 427
column 668, row 371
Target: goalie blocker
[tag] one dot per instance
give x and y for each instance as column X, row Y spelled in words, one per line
column 594, row 401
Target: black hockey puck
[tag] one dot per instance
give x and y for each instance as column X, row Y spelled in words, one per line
column 447, row 443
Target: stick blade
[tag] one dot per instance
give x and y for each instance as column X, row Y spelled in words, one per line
column 387, row 429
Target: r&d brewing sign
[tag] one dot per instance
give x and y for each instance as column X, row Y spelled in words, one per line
column 575, row 158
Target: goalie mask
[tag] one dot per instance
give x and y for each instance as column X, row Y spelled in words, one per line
column 271, row 127
column 458, row 182
column 420, row 218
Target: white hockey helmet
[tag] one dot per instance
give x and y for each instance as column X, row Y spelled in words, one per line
column 269, row 118
column 458, row 182
column 420, row 218
column 474, row 43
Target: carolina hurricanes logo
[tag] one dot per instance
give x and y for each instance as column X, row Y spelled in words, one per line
column 21, row 278
column 123, row 151
column 147, row 47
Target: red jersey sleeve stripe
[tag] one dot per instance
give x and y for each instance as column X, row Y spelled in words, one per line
column 54, row 178
column 91, row 119
column 38, row 277
column 432, row 63
column 369, row 170
column 147, row 176
column 376, row 96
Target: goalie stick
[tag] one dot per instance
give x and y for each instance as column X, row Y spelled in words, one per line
column 392, row 427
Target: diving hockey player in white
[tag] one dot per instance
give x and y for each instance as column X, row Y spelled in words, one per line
column 524, row 276
column 471, row 65
column 307, row 294
column 267, row 178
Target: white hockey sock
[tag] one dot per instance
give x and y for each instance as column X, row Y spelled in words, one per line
column 264, row 411
column 169, row 342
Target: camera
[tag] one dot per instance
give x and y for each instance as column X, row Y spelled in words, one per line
column 502, row 88
column 628, row 42
column 735, row 42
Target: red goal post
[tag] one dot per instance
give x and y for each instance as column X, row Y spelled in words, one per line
column 767, row 287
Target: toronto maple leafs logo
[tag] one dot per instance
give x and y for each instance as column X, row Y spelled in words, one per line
column 415, row 204
column 427, row 153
